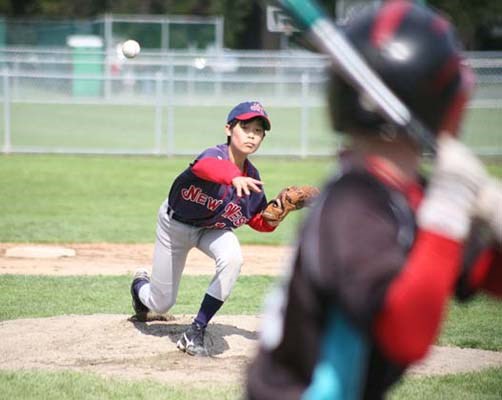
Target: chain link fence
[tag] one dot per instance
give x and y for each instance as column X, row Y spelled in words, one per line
column 176, row 102
column 164, row 32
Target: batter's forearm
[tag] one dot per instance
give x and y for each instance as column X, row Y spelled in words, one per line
column 411, row 315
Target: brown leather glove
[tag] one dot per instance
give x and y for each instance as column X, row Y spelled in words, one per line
column 289, row 199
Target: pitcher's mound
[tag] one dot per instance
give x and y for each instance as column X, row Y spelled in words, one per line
column 111, row 345
column 114, row 346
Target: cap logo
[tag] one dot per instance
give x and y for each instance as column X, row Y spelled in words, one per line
column 257, row 107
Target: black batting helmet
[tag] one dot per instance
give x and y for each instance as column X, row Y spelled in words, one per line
column 416, row 53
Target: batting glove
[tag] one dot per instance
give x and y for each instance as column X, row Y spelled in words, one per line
column 455, row 183
column 489, row 207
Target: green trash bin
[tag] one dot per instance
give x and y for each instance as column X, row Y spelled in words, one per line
column 3, row 31
column 3, row 39
column 88, row 62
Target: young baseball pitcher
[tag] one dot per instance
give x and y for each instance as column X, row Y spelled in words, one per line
column 381, row 252
column 220, row 191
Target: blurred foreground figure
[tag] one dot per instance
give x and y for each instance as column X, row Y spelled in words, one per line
column 382, row 251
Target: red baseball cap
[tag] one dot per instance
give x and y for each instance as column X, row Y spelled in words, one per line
column 248, row 110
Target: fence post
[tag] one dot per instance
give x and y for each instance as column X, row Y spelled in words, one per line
column 158, row 110
column 170, row 110
column 304, row 125
column 164, row 34
column 109, row 51
column 6, row 111
column 219, row 32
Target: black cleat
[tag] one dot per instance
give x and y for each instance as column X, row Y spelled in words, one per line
column 192, row 341
column 141, row 275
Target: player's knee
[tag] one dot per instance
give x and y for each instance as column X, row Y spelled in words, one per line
column 231, row 261
column 162, row 297
column 163, row 305
column 162, row 301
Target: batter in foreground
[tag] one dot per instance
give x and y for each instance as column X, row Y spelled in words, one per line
column 383, row 251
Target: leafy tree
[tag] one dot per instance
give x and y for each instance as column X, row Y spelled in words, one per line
column 470, row 16
column 235, row 12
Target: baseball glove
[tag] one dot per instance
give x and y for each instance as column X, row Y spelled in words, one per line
column 289, row 199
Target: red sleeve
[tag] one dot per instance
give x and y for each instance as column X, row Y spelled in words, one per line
column 486, row 273
column 492, row 282
column 259, row 224
column 413, row 307
column 214, row 170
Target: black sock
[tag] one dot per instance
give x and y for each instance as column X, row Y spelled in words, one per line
column 138, row 285
column 208, row 308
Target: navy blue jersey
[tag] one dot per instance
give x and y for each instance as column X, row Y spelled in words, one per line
column 203, row 203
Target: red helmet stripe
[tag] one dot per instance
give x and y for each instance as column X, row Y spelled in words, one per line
column 444, row 75
column 388, row 20
column 454, row 113
column 441, row 25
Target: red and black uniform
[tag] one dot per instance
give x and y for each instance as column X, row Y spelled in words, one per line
column 203, row 195
column 365, row 295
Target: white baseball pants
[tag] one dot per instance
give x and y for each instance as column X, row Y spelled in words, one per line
column 174, row 241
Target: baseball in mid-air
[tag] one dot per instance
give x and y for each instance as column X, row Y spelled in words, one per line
column 130, row 48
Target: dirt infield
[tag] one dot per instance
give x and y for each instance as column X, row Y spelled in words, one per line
column 111, row 345
column 119, row 259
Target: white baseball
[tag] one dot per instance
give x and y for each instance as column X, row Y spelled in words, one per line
column 130, row 48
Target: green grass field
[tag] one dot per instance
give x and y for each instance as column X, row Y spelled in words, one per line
column 476, row 324
column 70, row 199
column 54, row 199
column 114, row 199
column 29, row 385
column 35, row 297
column 126, row 128
column 91, row 127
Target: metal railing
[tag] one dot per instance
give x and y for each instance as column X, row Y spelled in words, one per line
column 60, row 100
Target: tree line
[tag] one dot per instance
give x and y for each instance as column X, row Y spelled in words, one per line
column 479, row 22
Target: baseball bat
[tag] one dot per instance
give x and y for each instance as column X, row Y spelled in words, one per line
column 323, row 33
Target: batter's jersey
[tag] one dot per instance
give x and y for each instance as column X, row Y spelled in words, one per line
column 203, row 203
column 354, row 242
